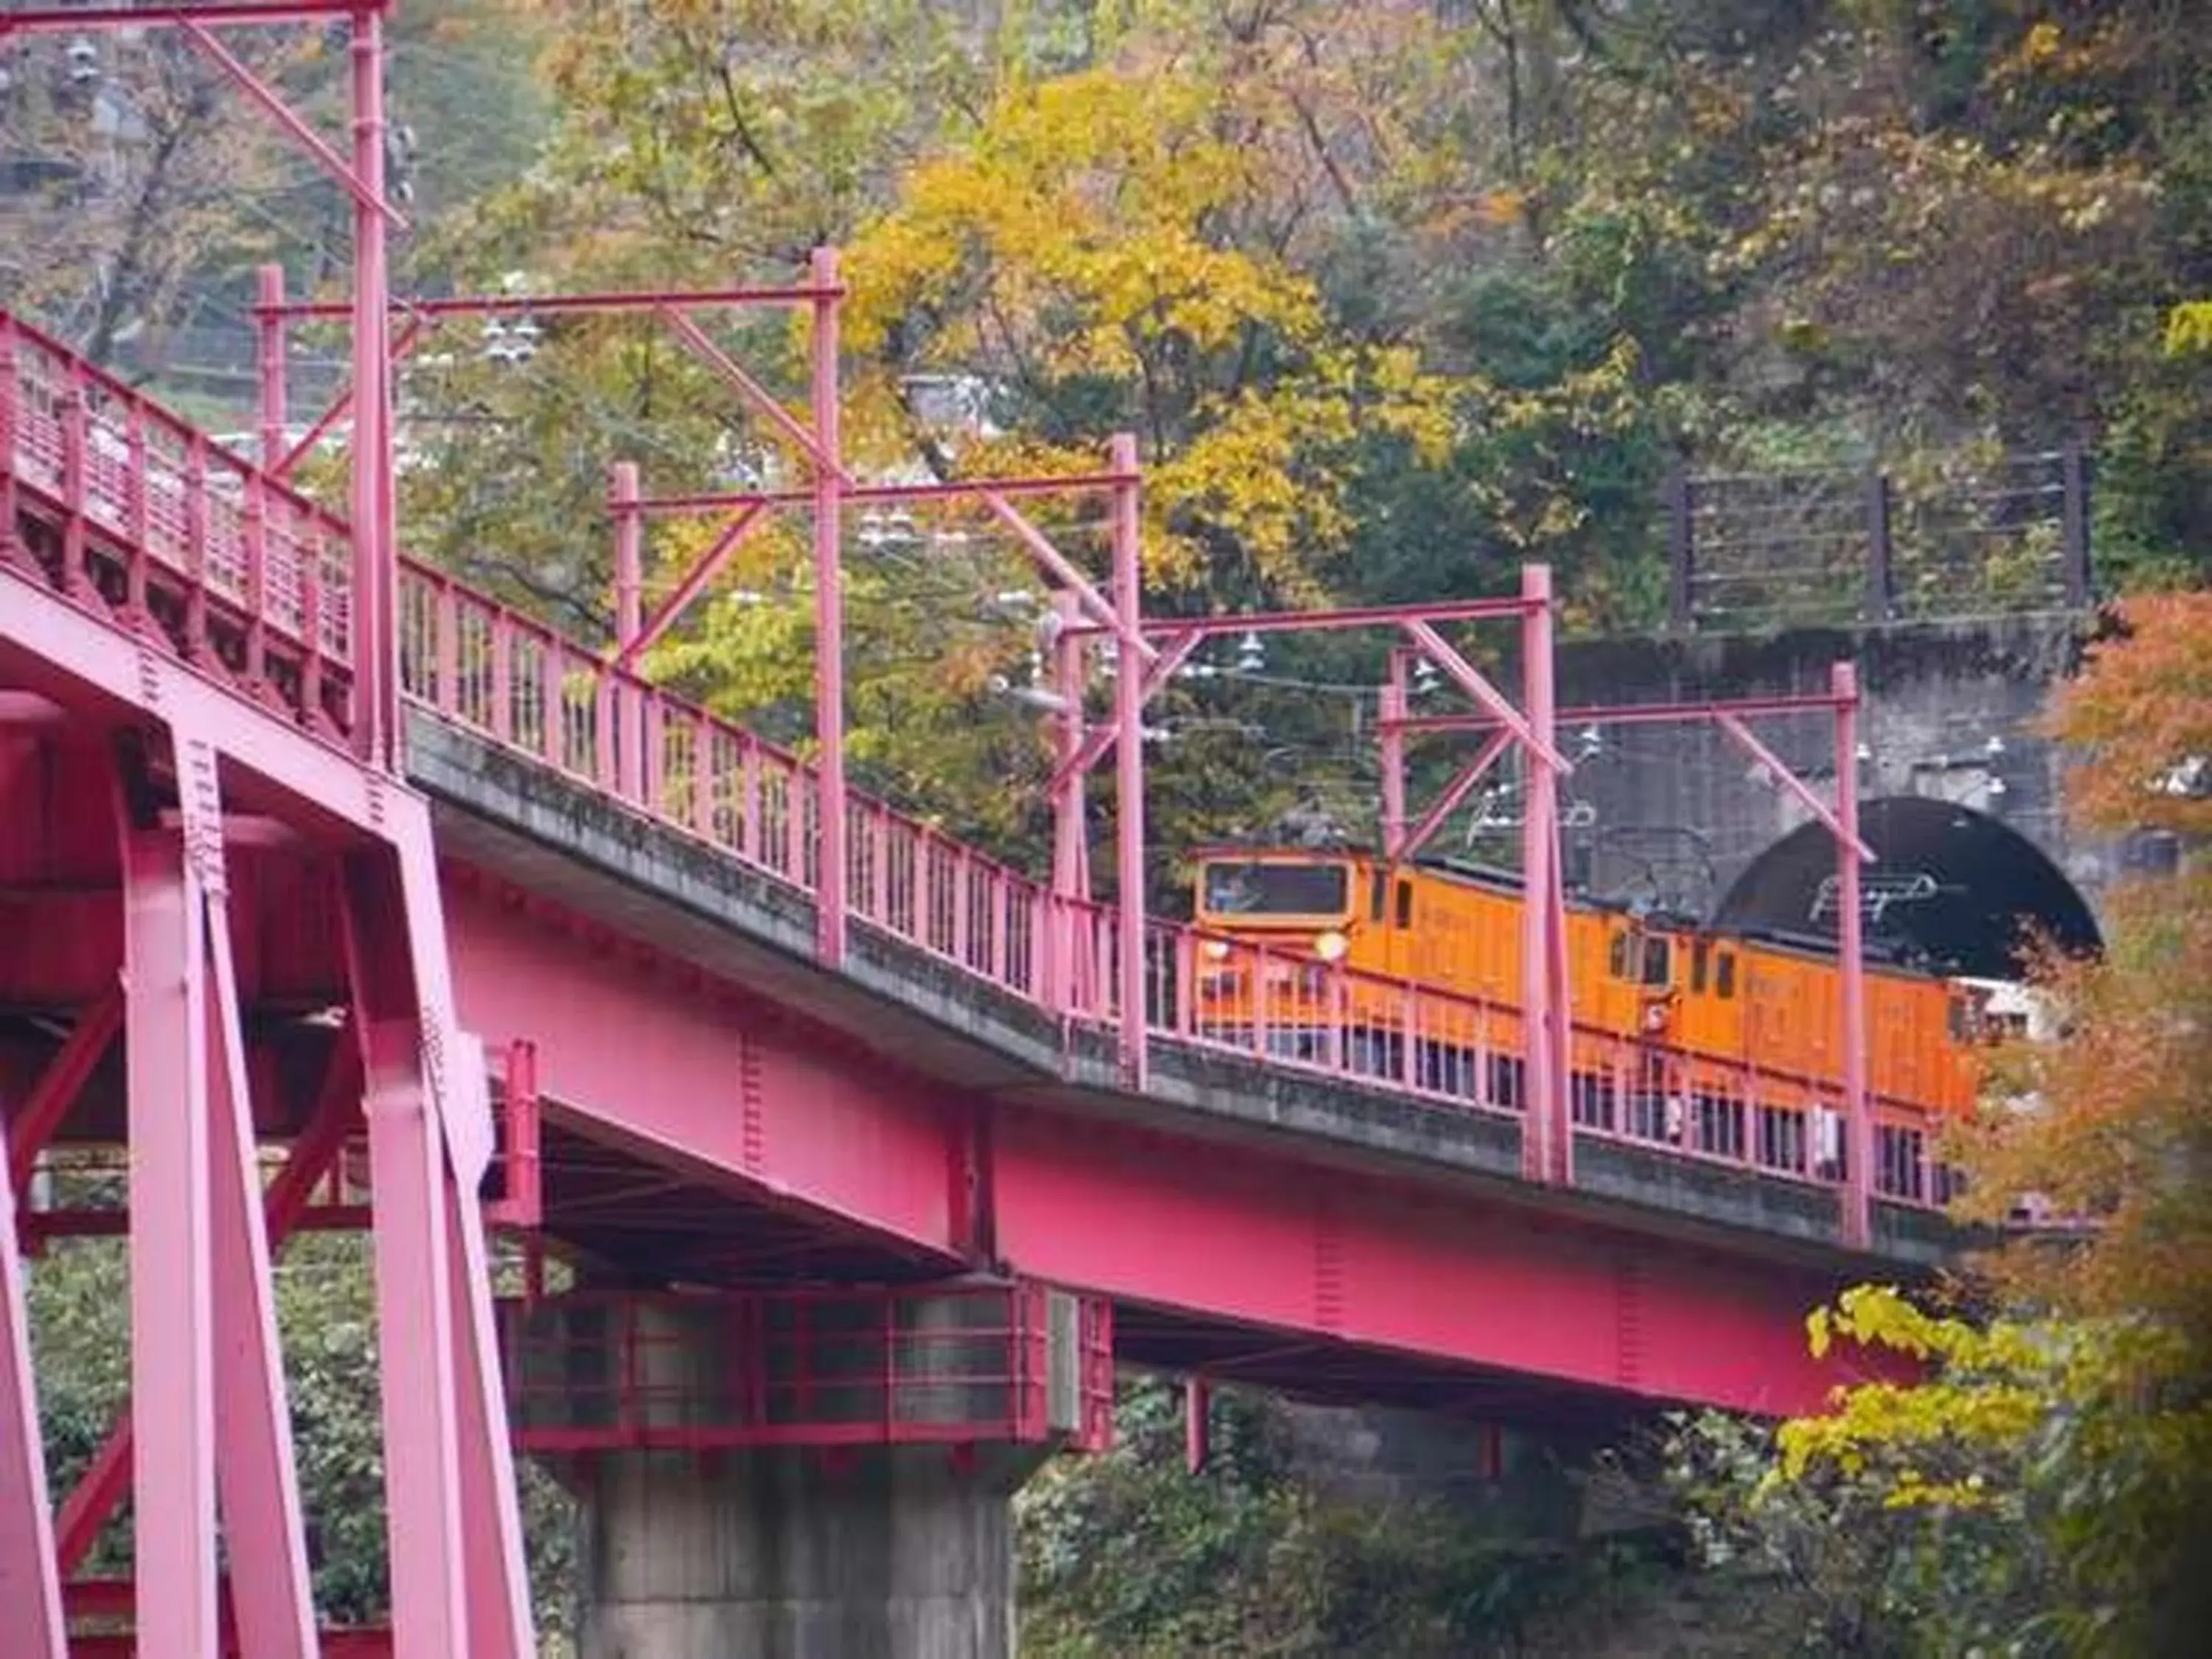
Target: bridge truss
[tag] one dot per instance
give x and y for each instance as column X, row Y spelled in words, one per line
column 213, row 671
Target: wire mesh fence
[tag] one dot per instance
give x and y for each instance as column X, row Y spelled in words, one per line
column 1760, row 551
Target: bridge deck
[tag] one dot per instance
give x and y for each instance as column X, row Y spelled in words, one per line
column 949, row 1095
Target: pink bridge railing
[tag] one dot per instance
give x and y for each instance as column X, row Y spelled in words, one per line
column 187, row 543
column 242, row 573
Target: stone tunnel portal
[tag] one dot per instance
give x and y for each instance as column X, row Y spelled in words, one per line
column 1951, row 888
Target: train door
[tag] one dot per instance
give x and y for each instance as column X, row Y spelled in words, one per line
column 1658, row 1102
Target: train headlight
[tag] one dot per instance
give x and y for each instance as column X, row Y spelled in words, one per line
column 1217, row 950
column 1331, row 946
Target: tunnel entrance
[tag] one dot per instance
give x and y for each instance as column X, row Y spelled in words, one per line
column 1951, row 888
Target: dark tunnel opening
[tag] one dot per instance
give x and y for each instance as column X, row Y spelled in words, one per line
column 1951, row 888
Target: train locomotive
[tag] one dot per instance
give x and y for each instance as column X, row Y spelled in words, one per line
column 1726, row 1043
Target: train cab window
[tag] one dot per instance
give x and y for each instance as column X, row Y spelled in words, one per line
column 1701, row 957
column 1405, row 904
column 1376, row 890
column 1658, row 963
column 1617, row 956
column 1276, row 889
column 1724, row 975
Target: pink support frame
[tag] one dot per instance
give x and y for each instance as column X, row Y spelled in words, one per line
column 1841, row 703
column 172, row 1278
column 257, row 1479
column 372, row 624
column 30, row 1589
column 1544, row 968
column 455, row 1531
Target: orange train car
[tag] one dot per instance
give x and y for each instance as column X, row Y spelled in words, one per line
column 1681, row 1034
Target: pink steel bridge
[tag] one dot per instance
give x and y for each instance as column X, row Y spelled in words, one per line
column 335, row 894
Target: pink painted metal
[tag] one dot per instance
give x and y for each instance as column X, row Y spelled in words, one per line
column 30, row 1589
column 415, row 1310
column 629, row 712
column 1457, row 668
column 1789, row 781
column 1284, row 1246
column 1850, row 949
column 831, row 825
column 808, row 443
column 1433, row 612
column 336, row 1117
column 700, row 1077
column 258, row 1478
column 1403, row 843
column 704, row 569
column 341, row 406
column 172, row 1290
column 555, row 305
column 926, row 1365
column 151, row 507
column 521, row 1204
column 32, row 1119
column 269, row 350
column 1129, row 783
column 1070, row 838
column 1390, row 711
column 496, row 1577
column 875, row 495
column 455, row 1531
column 1641, row 714
column 514, row 681
column 365, row 188
column 375, row 523
column 1548, row 1136
column 48, row 19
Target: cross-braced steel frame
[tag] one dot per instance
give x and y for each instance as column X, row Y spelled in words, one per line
column 1073, row 949
column 204, row 1450
column 817, row 442
column 1840, row 702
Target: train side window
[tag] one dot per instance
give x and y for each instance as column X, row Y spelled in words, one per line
column 1405, row 904
column 1724, row 975
column 1701, row 956
column 1658, row 966
column 1376, row 890
column 1617, row 958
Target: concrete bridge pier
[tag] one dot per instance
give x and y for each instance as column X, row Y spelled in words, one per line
column 890, row 1553
column 804, row 1474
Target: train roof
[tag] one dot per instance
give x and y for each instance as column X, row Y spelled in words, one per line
column 1877, row 952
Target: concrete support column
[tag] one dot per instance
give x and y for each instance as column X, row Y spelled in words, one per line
column 890, row 1553
column 804, row 1474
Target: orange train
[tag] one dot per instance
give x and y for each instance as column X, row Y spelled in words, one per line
column 1681, row 1034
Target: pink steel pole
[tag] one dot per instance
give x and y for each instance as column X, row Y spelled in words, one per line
column 1129, row 722
column 1851, row 948
column 1070, row 835
column 629, row 607
column 417, row 1383
column 257, row 1477
column 373, row 623
column 829, row 618
column 30, row 1587
column 269, row 335
column 1392, row 706
column 1543, row 1013
column 172, row 1290
column 629, row 553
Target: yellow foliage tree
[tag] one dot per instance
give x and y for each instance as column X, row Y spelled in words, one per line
column 1075, row 249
